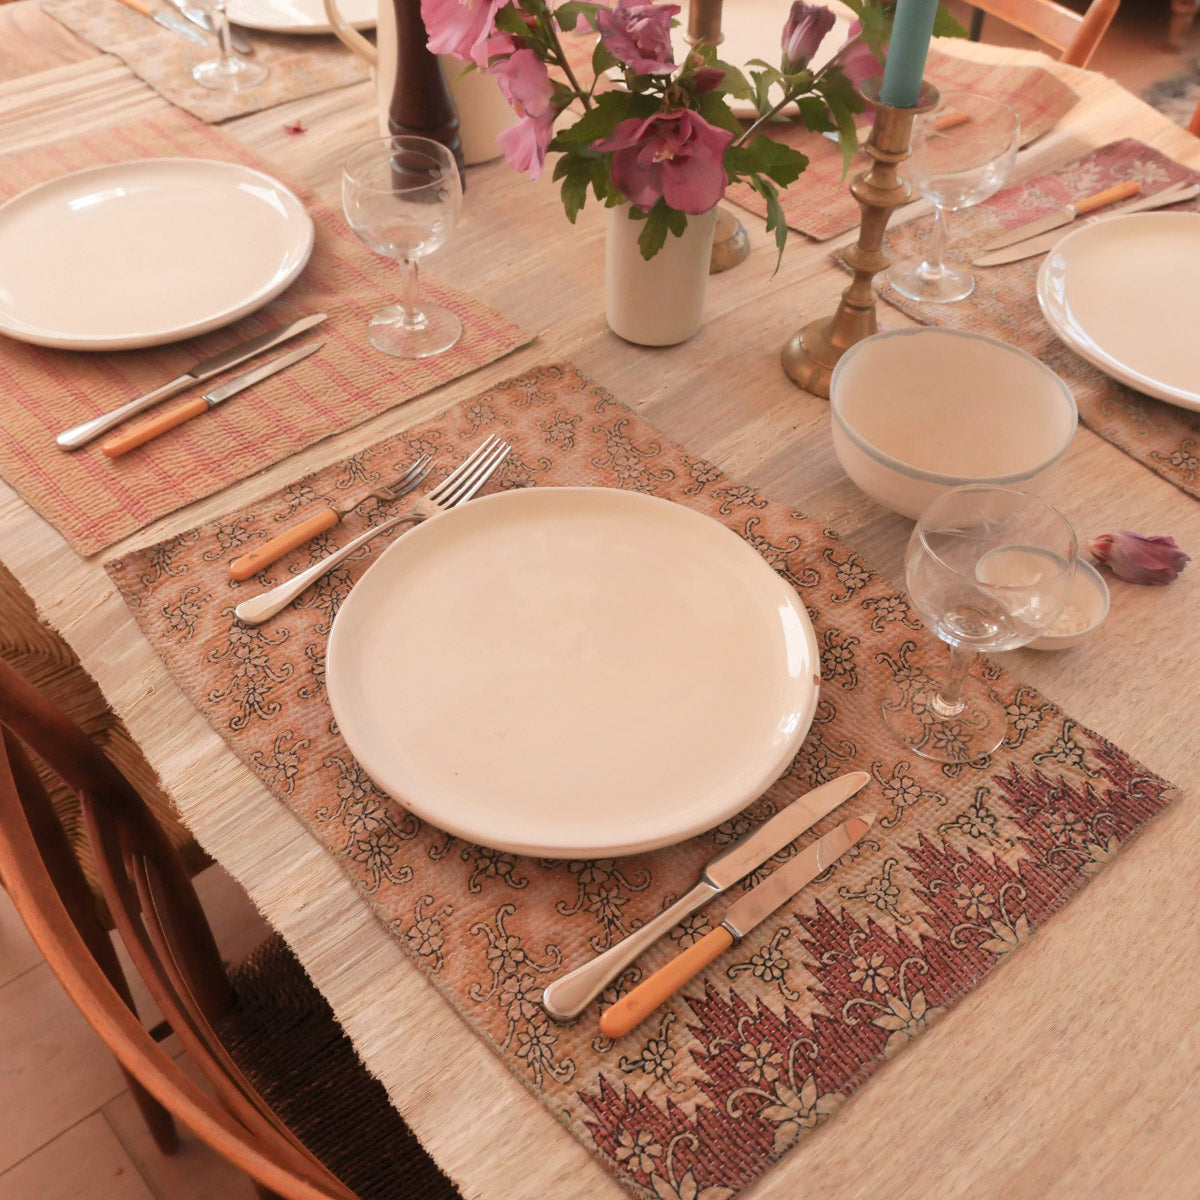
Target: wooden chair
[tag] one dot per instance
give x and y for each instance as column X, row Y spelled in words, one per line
column 1193, row 126
column 1074, row 35
column 293, row 1107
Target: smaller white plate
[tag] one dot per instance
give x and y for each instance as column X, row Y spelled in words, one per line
column 146, row 252
column 1121, row 292
column 300, row 16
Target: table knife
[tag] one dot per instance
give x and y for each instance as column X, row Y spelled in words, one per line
column 80, row 435
column 143, row 431
column 779, row 887
column 198, row 16
column 569, row 995
column 1065, row 215
column 1175, row 194
column 167, row 21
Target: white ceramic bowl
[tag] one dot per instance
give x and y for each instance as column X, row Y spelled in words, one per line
column 1083, row 614
column 916, row 412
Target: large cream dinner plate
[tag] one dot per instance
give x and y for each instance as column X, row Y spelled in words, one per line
column 146, row 252
column 1121, row 293
column 572, row 672
column 300, row 16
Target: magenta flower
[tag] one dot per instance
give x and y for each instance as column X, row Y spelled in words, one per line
column 639, row 35
column 1139, row 559
column 526, row 84
column 855, row 57
column 460, row 27
column 675, row 156
column 805, row 30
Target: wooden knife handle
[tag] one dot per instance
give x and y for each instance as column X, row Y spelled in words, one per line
column 1119, row 191
column 143, row 431
column 284, row 543
column 634, row 1007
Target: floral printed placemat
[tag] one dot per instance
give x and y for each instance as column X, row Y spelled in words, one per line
column 1004, row 303
column 300, row 65
column 961, row 866
column 819, row 203
column 95, row 501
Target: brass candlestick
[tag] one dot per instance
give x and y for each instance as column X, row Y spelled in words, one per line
column 810, row 356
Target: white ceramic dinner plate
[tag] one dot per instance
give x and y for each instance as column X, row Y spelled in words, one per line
column 1121, row 292
column 146, row 252
column 573, row 672
column 300, row 16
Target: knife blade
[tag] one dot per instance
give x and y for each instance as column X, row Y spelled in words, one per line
column 87, row 431
column 1065, row 215
column 204, row 20
column 167, row 21
column 143, row 431
column 780, row 886
column 1175, row 194
column 570, row 994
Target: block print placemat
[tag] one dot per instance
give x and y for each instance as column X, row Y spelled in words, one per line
column 300, row 65
column 95, row 501
column 819, row 202
column 960, row 868
column 1004, row 303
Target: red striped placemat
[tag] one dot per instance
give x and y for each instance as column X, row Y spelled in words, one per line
column 95, row 501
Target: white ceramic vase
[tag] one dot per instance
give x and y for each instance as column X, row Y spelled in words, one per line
column 657, row 301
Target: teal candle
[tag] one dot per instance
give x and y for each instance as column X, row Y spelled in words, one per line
column 906, row 54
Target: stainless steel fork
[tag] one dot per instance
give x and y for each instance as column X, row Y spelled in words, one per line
column 459, row 486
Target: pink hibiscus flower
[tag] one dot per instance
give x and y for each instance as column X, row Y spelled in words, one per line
column 805, row 30
column 526, row 83
column 639, row 35
column 460, row 27
column 855, row 57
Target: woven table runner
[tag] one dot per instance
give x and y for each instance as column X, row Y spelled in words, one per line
column 819, row 203
column 962, row 864
column 300, row 65
column 1004, row 303
column 95, row 501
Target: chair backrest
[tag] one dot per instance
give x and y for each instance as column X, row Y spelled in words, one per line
column 1075, row 35
column 159, row 918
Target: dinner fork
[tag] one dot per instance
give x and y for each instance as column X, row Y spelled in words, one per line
column 458, row 487
column 323, row 519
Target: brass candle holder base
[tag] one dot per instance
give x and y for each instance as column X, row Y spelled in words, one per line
column 811, row 354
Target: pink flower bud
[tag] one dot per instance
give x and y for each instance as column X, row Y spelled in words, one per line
column 1139, row 559
column 806, row 27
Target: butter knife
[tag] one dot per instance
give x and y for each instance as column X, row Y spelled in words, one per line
column 87, row 431
column 1065, row 215
column 1175, row 194
column 167, row 21
column 752, row 909
column 144, row 431
column 570, row 994
column 198, row 16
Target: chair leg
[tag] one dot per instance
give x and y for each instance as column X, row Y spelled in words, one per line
column 265, row 1193
column 158, row 1120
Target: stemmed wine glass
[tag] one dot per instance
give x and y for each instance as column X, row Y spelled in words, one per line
column 962, row 152
column 402, row 196
column 229, row 72
column 987, row 568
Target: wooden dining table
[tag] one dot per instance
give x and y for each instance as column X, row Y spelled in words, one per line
column 1083, row 1049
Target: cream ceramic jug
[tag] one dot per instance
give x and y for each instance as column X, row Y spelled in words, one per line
column 483, row 112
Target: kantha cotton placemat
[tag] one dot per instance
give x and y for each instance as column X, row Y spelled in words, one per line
column 95, row 501
column 300, row 65
column 819, row 202
column 1004, row 303
column 960, row 868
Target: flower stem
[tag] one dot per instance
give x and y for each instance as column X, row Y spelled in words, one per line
column 560, row 59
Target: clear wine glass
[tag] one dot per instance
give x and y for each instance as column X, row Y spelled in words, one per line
column 229, row 71
column 962, row 152
column 402, row 196
column 987, row 568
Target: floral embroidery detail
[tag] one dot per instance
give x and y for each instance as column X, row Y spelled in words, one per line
column 492, row 864
column 889, row 609
column 880, row 892
column 281, row 767
column 1024, row 716
column 604, row 889
column 254, row 679
column 796, row 1111
column 183, row 616
column 1182, row 459
column 852, row 573
column 638, row 1150
column 769, row 964
column 426, row 937
column 560, row 429
column 837, row 658
column 657, row 1056
column 1065, row 751
column 702, row 474
column 629, row 463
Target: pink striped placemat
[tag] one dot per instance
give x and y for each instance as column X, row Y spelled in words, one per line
column 95, row 501
column 299, row 65
column 1004, row 303
column 962, row 865
column 819, row 202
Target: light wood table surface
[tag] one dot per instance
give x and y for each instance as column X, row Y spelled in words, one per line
column 1074, row 1070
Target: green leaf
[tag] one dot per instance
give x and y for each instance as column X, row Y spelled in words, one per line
column 568, row 14
column 734, row 83
column 608, row 111
column 776, row 220
column 814, row 113
column 843, row 102
column 876, row 28
column 713, row 108
column 944, row 24
column 660, row 221
column 781, row 163
column 603, row 59
column 510, row 20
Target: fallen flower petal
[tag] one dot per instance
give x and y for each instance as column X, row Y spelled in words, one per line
column 298, row 127
column 1139, row 559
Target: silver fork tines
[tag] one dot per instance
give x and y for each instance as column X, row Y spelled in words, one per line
column 458, row 487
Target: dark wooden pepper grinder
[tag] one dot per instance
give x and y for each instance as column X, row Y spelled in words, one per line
column 421, row 101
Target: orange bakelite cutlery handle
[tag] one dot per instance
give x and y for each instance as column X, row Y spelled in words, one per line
column 137, row 435
column 1119, row 191
column 633, row 1008
column 269, row 552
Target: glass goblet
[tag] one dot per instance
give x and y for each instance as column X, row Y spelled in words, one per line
column 229, row 71
column 987, row 568
column 402, row 196
column 962, row 152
